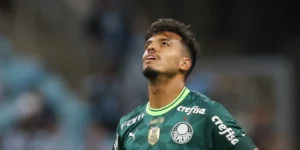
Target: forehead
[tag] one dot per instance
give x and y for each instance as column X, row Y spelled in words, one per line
column 165, row 35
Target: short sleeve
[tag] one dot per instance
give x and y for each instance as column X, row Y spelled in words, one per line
column 225, row 132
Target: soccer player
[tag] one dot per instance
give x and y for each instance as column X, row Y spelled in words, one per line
column 176, row 118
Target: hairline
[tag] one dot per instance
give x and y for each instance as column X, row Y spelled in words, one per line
column 184, row 44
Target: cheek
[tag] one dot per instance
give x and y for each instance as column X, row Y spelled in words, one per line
column 173, row 62
column 145, row 53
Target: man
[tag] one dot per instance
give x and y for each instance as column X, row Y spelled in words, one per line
column 175, row 117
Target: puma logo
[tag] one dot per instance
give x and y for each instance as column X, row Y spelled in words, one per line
column 133, row 134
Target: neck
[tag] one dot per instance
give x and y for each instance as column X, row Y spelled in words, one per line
column 162, row 91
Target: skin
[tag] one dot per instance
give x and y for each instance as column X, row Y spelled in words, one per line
column 171, row 61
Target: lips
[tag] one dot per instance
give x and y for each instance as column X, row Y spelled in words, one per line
column 150, row 57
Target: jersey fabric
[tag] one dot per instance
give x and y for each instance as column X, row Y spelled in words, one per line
column 191, row 122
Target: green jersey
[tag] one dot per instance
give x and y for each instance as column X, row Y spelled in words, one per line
column 191, row 122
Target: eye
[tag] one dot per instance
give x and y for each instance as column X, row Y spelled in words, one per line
column 165, row 44
column 146, row 47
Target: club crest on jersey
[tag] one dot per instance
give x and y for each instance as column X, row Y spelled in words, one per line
column 182, row 132
column 153, row 135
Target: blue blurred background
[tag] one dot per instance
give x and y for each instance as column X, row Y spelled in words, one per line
column 69, row 69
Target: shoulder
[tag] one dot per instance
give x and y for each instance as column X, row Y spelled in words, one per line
column 203, row 100
column 213, row 110
column 207, row 103
column 135, row 115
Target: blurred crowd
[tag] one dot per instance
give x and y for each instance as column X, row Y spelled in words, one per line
column 39, row 110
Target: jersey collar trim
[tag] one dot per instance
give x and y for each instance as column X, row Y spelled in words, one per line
column 165, row 109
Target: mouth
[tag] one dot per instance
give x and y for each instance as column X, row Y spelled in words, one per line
column 150, row 57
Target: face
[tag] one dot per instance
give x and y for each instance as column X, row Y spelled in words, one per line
column 165, row 54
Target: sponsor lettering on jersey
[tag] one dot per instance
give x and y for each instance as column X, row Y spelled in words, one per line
column 224, row 130
column 132, row 121
column 189, row 110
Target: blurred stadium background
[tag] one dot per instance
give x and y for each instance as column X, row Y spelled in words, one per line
column 69, row 69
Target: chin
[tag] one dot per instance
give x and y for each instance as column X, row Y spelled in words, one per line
column 150, row 72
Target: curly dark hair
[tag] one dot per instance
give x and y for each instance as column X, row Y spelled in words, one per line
column 188, row 37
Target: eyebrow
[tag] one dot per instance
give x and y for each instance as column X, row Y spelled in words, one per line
column 160, row 40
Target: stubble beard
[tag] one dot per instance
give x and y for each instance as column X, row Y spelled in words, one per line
column 151, row 73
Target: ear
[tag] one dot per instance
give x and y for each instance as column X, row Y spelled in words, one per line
column 185, row 63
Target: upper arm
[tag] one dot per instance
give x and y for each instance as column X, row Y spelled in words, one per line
column 116, row 143
column 226, row 133
column 118, row 140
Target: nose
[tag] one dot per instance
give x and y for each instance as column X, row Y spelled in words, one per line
column 151, row 48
